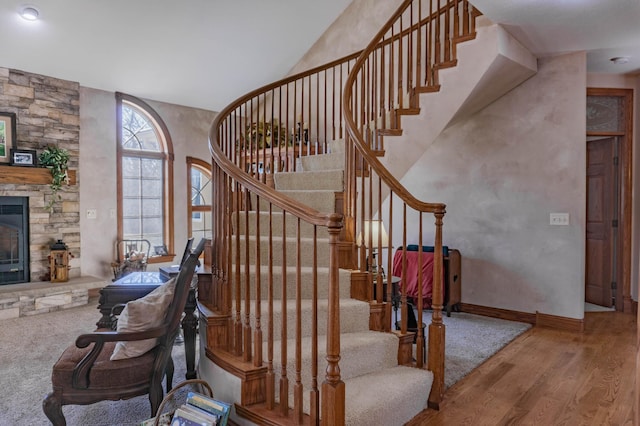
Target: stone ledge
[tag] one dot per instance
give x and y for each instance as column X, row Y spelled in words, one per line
column 17, row 300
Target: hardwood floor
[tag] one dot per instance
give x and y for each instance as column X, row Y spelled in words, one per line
column 550, row 377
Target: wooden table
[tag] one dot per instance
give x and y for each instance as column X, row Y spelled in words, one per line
column 138, row 284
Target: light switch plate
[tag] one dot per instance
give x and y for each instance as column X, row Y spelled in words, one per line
column 558, row 218
column 92, row 214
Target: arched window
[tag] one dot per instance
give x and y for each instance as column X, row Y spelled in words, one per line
column 145, row 177
column 199, row 206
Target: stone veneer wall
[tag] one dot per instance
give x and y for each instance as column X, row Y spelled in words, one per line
column 47, row 112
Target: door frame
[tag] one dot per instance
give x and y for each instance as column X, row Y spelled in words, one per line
column 625, row 156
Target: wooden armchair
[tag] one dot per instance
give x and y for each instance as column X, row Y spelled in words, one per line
column 85, row 374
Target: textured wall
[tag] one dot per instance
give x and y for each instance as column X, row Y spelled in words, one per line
column 47, row 113
column 352, row 31
column 188, row 128
column 501, row 173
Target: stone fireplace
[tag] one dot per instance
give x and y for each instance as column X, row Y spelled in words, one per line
column 14, row 237
column 47, row 113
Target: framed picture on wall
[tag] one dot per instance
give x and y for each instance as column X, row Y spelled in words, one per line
column 7, row 135
column 23, row 157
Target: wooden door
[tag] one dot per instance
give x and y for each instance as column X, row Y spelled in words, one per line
column 601, row 247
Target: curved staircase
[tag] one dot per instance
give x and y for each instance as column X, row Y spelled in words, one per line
column 291, row 314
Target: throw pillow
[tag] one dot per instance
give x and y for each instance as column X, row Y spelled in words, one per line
column 140, row 315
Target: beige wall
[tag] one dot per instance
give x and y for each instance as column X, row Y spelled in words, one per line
column 501, row 173
column 188, row 128
column 349, row 33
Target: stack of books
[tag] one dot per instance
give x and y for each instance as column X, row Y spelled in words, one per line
column 200, row 410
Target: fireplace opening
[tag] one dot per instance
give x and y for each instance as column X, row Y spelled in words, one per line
column 14, row 237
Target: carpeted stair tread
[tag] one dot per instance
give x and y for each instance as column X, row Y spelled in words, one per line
column 328, row 180
column 392, row 396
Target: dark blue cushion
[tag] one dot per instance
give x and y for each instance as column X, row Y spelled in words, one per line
column 427, row 249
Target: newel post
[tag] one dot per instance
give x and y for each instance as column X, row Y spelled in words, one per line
column 436, row 328
column 333, row 388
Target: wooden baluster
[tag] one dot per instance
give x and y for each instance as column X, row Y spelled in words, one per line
column 314, row 394
column 418, row 73
column 237, row 345
column 333, row 388
column 437, row 43
column 456, row 28
column 436, row 328
column 257, row 332
column 400, row 93
column 466, row 29
column 403, row 292
column 447, row 32
column 270, row 377
column 429, row 48
column 297, row 387
column 420, row 333
column 410, row 64
column 284, row 380
column 247, row 335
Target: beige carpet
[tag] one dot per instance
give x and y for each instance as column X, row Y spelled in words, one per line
column 31, row 345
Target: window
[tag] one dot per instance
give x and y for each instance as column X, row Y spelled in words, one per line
column 199, row 207
column 145, row 171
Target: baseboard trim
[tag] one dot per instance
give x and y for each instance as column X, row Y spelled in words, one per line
column 505, row 314
column 537, row 319
column 562, row 323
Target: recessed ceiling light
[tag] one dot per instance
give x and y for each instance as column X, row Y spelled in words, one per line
column 29, row 13
column 620, row 60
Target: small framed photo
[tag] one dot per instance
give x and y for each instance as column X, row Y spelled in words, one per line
column 7, row 135
column 23, row 157
column 161, row 250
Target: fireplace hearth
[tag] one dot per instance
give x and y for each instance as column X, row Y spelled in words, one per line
column 14, row 237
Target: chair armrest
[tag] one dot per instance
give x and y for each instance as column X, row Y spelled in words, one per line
column 82, row 370
column 101, row 337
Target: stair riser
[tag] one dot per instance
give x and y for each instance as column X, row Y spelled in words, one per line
column 382, row 349
column 306, row 230
column 323, row 201
column 332, row 161
column 306, row 251
column 356, row 312
column 330, row 180
column 306, row 278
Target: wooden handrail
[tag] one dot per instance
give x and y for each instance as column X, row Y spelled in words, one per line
column 401, row 61
column 358, row 98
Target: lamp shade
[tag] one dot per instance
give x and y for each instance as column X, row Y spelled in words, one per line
column 374, row 227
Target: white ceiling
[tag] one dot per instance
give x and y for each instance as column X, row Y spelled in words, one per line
column 206, row 53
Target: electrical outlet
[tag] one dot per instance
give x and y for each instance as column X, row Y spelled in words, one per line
column 558, row 218
column 92, row 214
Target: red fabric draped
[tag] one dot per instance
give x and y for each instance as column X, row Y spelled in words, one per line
column 412, row 275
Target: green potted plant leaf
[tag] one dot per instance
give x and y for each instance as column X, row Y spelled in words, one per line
column 56, row 159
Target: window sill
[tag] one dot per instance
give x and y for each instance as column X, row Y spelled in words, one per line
column 161, row 259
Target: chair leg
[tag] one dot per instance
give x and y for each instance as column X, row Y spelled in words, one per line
column 169, row 372
column 155, row 398
column 52, row 407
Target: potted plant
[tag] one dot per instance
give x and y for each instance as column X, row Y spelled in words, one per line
column 56, row 159
column 263, row 134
